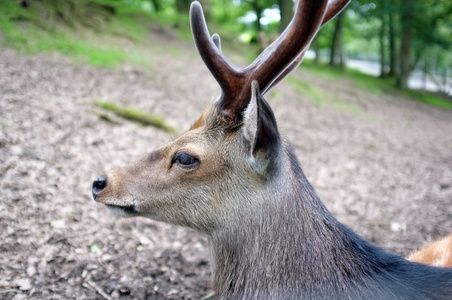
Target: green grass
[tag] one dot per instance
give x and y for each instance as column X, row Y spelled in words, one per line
column 375, row 85
column 370, row 83
column 321, row 97
column 428, row 98
column 27, row 33
column 146, row 119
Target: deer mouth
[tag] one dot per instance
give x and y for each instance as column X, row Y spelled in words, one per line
column 122, row 210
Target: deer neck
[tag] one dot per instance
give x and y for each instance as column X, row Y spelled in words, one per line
column 290, row 224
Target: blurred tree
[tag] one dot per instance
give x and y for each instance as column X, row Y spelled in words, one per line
column 392, row 72
column 426, row 31
column 286, row 13
column 383, row 48
column 382, row 11
column 258, row 7
column 157, row 5
column 337, row 47
column 315, row 45
column 407, row 20
column 409, row 32
column 183, row 6
column 379, row 14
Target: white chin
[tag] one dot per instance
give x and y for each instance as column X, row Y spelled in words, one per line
column 118, row 211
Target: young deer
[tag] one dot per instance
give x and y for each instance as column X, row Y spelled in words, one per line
column 235, row 178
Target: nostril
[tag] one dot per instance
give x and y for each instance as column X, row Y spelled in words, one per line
column 98, row 185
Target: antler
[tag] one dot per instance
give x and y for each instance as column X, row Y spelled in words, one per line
column 334, row 8
column 273, row 64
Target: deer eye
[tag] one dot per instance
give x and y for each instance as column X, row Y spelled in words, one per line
column 185, row 160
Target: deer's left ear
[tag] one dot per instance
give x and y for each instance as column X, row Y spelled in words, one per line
column 261, row 131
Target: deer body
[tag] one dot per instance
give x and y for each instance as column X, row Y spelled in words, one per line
column 233, row 177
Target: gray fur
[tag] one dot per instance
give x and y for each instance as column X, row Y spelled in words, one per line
column 289, row 246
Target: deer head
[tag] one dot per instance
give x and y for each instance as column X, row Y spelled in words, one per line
column 233, row 151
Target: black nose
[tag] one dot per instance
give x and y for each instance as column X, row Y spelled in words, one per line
column 98, row 185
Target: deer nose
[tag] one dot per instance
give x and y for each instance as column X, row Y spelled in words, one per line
column 98, row 185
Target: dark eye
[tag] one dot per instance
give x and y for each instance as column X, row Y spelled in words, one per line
column 185, row 160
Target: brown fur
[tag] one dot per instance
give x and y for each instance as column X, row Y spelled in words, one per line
column 438, row 254
column 197, row 123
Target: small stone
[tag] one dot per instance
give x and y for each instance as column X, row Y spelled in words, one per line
column 398, row 227
column 10, row 230
column 59, row 224
column 173, row 292
column 24, row 284
column 31, row 270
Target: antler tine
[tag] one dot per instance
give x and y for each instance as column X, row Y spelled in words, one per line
column 275, row 59
column 216, row 40
column 222, row 70
column 334, row 8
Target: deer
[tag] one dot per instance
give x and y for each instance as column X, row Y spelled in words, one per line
column 235, row 178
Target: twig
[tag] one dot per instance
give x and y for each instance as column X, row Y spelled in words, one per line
column 98, row 289
column 136, row 115
column 8, row 291
column 209, row 296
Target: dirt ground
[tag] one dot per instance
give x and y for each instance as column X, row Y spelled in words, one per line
column 384, row 169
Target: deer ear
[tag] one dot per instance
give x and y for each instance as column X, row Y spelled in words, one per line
column 261, row 131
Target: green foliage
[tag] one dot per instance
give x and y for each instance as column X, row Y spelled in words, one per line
column 361, row 37
column 430, row 25
column 51, row 26
column 132, row 114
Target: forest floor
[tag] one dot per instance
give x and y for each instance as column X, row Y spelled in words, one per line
column 381, row 163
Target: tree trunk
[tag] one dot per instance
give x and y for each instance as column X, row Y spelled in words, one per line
column 392, row 46
column 341, row 53
column 425, row 74
column 405, row 49
column 337, row 40
column 157, row 6
column 382, row 35
column 286, row 13
column 258, row 11
column 315, row 44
